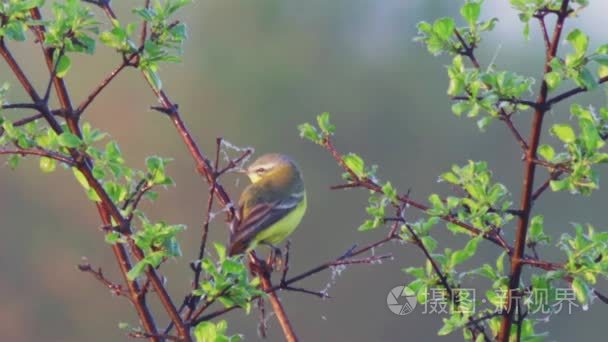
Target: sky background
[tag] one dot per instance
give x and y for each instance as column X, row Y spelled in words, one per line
column 252, row 72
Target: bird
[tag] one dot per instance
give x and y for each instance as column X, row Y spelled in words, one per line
column 272, row 206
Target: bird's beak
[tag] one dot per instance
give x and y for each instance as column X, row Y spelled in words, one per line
column 243, row 171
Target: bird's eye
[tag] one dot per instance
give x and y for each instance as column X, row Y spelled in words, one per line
column 260, row 170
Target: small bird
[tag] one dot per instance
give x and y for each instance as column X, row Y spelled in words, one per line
column 272, row 206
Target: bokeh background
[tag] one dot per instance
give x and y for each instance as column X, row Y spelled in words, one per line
column 252, row 72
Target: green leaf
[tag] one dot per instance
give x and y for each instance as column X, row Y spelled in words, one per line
column 153, row 78
column 69, row 140
column 210, row 332
column 324, row 124
column 444, row 28
column 367, row 226
column 113, row 237
column 488, row 25
column 586, row 79
column 602, row 71
column 500, row 263
column 581, row 290
column 308, row 131
column 113, row 152
column 429, row 243
column 484, row 122
column 447, row 328
column 92, row 195
column 579, row 41
column 355, row 164
column 470, row 12
column 553, row 79
column 205, row 332
column 466, row 253
column 81, row 178
column 547, row 152
column 564, row 132
column 13, row 161
column 560, row 184
column 47, row 165
column 536, row 230
column 450, row 177
column 99, row 172
column 460, row 107
column 63, row 66
column 436, row 201
column 220, row 250
column 589, row 135
column 137, row 270
column 390, row 192
column 457, row 229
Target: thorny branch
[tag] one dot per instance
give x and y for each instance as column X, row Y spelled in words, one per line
column 116, row 289
column 528, row 183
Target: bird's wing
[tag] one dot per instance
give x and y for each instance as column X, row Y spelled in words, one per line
column 259, row 217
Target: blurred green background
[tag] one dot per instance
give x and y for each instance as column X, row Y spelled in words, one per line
column 253, row 71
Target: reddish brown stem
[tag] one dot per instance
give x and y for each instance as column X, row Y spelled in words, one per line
column 93, row 95
column 107, row 208
column 467, row 49
column 285, row 284
column 572, row 92
column 520, row 140
column 139, row 301
column 41, row 153
column 541, row 189
column 528, row 184
column 263, row 271
column 406, row 200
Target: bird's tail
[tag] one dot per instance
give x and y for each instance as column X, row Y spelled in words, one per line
column 238, row 244
column 237, row 247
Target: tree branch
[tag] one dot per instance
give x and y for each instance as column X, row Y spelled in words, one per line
column 506, row 100
column 528, row 183
column 263, row 271
column 93, row 95
column 107, row 208
column 520, row 140
column 370, row 184
column 351, row 252
column 561, row 97
column 41, row 153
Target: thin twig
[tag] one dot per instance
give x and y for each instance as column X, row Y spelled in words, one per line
column 467, row 50
column 106, row 81
column 351, row 252
column 514, row 101
column 205, row 232
column 263, row 271
column 561, row 97
column 116, row 289
column 370, row 184
column 520, row 139
column 538, row 192
column 21, row 106
column 41, row 153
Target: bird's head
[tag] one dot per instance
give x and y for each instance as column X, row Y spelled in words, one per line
column 268, row 163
